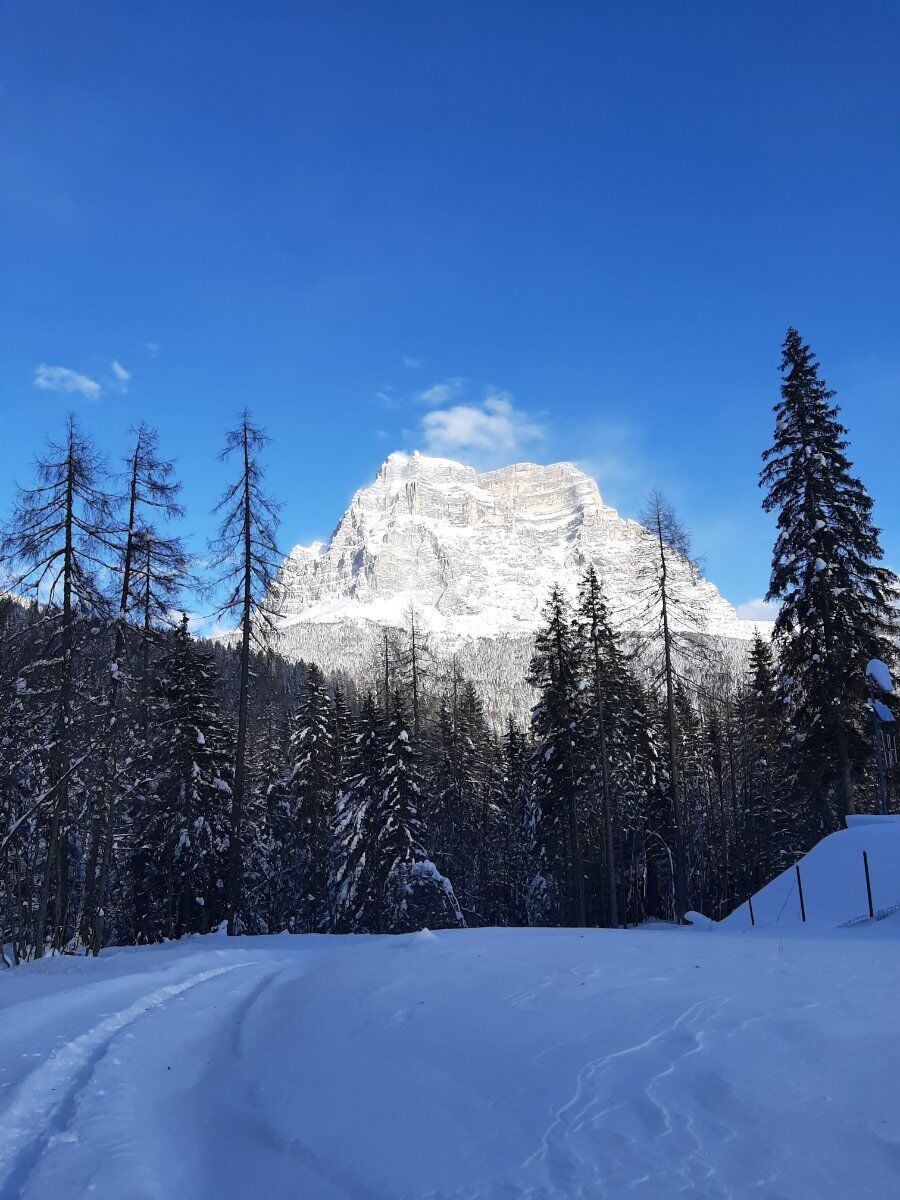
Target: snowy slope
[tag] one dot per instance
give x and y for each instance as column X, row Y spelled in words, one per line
column 471, row 1065
column 476, row 555
column 833, row 879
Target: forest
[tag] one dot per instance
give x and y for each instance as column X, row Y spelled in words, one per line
column 154, row 784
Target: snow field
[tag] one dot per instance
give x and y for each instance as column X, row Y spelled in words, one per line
column 501, row 1064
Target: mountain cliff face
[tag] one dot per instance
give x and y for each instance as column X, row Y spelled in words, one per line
column 475, row 555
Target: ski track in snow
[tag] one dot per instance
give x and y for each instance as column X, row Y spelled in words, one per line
column 51, row 1089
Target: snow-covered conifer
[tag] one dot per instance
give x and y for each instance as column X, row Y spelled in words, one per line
column 836, row 599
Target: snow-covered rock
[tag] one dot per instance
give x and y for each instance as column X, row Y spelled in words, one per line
column 475, row 555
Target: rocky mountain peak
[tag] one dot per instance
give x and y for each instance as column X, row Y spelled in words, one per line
column 476, row 555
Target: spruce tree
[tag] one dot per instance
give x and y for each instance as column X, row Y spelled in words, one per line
column 413, row 892
column 768, row 824
column 557, row 889
column 24, row 736
column 352, row 885
column 184, row 821
column 309, row 790
column 836, row 600
column 606, row 698
column 513, row 805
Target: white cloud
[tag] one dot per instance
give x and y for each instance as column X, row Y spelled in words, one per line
column 119, row 371
column 441, row 393
column 757, row 610
column 412, row 364
column 61, row 379
column 152, row 349
column 494, row 429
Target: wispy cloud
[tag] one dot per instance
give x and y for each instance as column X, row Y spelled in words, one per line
column 441, row 393
column 61, row 379
column 122, row 376
column 411, row 364
column 492, row 430
column 152, row 349
column 757, row 610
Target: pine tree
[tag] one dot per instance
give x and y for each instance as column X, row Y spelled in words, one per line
column 245, row 555
column 836, row 601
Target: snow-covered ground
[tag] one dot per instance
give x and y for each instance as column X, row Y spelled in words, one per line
column 501, row 1064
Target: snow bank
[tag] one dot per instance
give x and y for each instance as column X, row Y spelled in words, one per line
column 833, row 879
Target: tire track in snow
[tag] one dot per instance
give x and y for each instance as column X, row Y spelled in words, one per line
column 46, row 1096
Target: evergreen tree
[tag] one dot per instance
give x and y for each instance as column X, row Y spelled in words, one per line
column 24, row 736
column 769, row 828
column 309, row 789
column 413, row 893
column 343, row 743
column 185, row 819
column 513, row 806
column 606, row 697
column 352, row 886
column 557, row 890
column 836, row 601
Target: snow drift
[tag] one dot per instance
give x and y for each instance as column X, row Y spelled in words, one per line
column 833, row 879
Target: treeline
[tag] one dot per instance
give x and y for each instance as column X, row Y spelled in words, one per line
column 153, row 785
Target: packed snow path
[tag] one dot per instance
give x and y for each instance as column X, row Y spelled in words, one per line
column 527, row 1064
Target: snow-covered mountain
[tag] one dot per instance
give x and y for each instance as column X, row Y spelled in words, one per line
column 475, row 555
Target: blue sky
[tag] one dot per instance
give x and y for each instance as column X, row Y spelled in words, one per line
column 494, row 230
